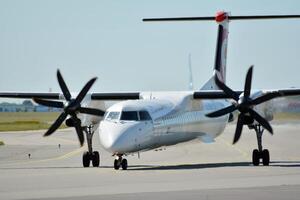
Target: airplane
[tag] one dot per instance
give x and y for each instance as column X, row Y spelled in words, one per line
column 143, row 121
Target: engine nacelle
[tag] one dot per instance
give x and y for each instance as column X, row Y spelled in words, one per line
column 266, row 109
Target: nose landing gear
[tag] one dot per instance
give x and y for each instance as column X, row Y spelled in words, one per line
column 260, row 153
column 90, row 155
column 120, row 162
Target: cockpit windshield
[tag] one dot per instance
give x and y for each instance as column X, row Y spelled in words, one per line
column 135, row 116
column 144, row 116
column 113, row 116
column 129, row 116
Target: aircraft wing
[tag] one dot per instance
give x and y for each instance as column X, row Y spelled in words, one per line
column 29, row 95
column 106, row 96
column 115, row 96
column 219, row 94
column 53, row 96
column 211, row 94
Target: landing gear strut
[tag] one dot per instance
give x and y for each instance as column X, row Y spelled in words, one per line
column 120, row 162
column 260, row 153
column 90, row 155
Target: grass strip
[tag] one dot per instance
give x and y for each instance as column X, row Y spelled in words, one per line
column 21, row 121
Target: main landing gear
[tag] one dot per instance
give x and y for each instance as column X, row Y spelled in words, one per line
column 260, row 153
column 120, row 162
column 90, row 155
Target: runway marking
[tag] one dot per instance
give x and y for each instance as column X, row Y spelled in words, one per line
column 225, row 142
column 67, row 155
column 63, row 140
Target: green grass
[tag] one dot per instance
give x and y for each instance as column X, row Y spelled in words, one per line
column 20, row 121
column 287, row 116
column 1, row 143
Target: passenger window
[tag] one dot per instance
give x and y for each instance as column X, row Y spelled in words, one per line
column 129, row 116
column 144, row 115
column 113, row 116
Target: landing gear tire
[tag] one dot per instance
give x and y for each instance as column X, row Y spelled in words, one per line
column 124, row 164
column 255, row 157
column 260, row 153
column 265, row 157
column 117, row 164
column 90, row 155
column 86, row 159
column 95, row 159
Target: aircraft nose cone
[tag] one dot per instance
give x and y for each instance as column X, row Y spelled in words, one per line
column 117, row 138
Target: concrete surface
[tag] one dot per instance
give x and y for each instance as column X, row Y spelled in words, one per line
column 187, row 171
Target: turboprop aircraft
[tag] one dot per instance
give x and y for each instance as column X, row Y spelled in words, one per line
column 142, row 121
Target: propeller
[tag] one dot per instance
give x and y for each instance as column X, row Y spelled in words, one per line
column 71, row 108
column 244, row 104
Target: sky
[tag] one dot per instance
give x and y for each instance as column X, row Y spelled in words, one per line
column 107, row 39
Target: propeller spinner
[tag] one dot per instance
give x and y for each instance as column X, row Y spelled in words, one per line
column 244, row 104
column 71, row 108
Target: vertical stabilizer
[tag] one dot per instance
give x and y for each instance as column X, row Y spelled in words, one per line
column 221, row 52
column 222, row 18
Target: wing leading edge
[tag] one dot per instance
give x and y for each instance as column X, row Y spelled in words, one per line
column 56, row 96
column 219, row 94
column 207, row 94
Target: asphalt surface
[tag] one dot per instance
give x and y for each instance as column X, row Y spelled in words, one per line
column 187, row 171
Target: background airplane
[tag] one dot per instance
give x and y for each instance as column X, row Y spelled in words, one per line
column 147, row 120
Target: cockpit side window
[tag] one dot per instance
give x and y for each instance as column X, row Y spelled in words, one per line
column 144, row 115
column 129, row 116
column 113, row 116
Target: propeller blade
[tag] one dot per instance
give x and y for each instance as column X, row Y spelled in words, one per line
column 248, row 82
column 91, row 111
column 262, row 121
column 55, row 104
column 222, row 112
column 226, row 89
column 85, row 90
column 63, row 86
column 56, row 124
column 264, row 98
column 239, row 128
column 77, row 124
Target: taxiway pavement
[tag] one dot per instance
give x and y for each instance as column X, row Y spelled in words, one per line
column 187, row 171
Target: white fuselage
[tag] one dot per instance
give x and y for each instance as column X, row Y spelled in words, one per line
column 175, row 118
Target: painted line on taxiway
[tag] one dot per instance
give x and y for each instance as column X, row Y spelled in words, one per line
column 65, row 156
column 225, row 142
column 62, row 140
